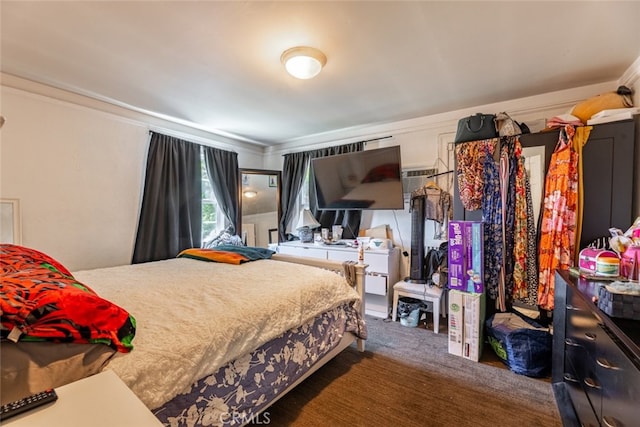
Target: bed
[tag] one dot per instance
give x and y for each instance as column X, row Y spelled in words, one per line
column 216, row 343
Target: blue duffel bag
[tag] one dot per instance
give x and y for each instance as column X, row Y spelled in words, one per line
column 521, row 343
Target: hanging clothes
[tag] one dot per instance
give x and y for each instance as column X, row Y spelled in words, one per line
column 470, row 173
column 508, row 167
column 532, row 247
column 437, row 207
column 492, row 218
column 557, row 239
column 520, row 227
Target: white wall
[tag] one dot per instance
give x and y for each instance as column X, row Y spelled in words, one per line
column 78, row 173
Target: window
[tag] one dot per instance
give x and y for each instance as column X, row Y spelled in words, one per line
column 210, row 209
column 302, row 201
column 303, row 197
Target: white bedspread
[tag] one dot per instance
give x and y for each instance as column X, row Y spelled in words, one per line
column 195, row 316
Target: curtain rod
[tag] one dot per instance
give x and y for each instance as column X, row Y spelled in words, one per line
column 376, row 139
column 357, row 142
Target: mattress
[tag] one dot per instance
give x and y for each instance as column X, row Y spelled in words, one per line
column 193, row 317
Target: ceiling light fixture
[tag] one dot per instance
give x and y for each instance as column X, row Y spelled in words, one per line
column 250, row 193
column 303, row 62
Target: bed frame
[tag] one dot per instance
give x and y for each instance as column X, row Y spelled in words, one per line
column 338, row 267
column 348, row 338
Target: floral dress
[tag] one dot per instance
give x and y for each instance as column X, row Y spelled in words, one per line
column 557, row 238
column 520, row 227
column 492, row 217
column 508, row 168
column 470, row 171
column 532, row 247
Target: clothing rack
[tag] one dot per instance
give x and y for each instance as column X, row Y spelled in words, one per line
column 439, row 174
column 433, row 176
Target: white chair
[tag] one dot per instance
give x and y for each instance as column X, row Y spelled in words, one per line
column 427, row 293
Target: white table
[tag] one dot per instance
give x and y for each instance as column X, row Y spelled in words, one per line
column 101, row 400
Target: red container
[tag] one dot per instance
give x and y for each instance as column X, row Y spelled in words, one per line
column 630, row 263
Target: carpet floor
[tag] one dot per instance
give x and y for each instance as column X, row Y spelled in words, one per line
column 406, row 377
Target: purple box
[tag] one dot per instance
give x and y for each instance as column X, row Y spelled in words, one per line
column 466, row 267
column 456, row 256
column 474, row 256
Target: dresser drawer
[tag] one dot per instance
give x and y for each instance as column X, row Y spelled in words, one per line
column 343, row 256
column 582, row 327
column 581, row 404
column 375, row 284
column 378, row 263
column 582, row 335
column 308, row 252
column 620, row 384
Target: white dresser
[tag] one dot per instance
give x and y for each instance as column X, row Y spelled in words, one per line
column 382, row 272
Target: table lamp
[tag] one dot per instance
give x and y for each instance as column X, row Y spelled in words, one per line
column 306, row 224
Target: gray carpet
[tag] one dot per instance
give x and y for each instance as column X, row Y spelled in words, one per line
column 406, row 377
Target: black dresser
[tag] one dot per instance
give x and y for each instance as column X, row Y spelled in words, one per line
column 596, row 358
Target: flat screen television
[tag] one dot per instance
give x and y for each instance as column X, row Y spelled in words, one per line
column 368, row 179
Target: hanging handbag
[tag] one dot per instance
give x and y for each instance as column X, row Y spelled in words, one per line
column 506, row 125
column 476, row 127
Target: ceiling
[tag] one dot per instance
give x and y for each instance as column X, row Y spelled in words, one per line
column 215, row 65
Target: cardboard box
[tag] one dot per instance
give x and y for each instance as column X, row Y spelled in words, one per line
column 455, row 310
column 466, row 324
column 466, row 256
column 473, row 335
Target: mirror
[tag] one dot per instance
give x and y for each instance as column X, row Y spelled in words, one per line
column 259, row 196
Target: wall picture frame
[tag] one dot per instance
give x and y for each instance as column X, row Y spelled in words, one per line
column 10, row 231
column 273, row 180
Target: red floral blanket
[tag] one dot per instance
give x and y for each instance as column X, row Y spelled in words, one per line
column 41, row 300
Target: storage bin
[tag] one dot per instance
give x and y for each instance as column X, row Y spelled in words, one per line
column 620, row 299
